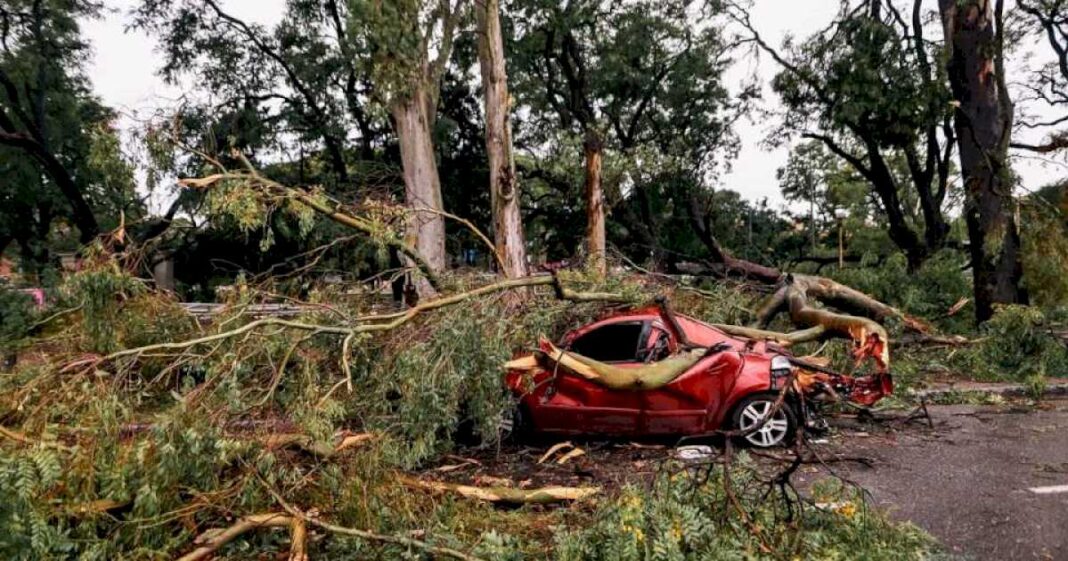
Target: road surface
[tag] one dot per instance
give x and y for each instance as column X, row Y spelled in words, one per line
column 991, row 483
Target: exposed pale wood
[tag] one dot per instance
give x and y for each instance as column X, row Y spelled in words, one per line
column 210, row 541
column 541, row 495
column 651, row 376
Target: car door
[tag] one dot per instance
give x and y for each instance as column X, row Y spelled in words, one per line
column 578, row 405
column 686, row 404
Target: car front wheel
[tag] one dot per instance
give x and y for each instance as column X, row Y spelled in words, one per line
column 750, row 412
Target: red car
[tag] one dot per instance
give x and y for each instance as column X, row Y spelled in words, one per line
column 733, row 385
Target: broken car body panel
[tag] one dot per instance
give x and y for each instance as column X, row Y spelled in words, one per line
column 698, row 401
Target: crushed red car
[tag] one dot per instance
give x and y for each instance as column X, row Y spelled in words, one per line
column 733, row 385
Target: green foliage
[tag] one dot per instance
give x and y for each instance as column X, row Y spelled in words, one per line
column 1044, row 241
column 425, row 383
column 880, row 84
column 17, row 315
column 1020, row 343
column 927, row 293
column 684, row 517
column 60, row 159
column 162, row 439
column 99, row 289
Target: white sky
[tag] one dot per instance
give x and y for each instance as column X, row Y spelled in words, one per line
column 123, row 72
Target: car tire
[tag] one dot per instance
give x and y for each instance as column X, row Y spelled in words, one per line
column 516, row 425
column 780, row 430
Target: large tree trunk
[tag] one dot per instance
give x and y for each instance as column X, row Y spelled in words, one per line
column 983, row 123
column 593, row 148
column 413, row 118
column 507, row 222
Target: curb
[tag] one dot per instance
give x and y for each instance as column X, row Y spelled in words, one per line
column 1051, row 388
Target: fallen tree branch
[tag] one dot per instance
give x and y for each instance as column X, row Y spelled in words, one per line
column 785, row 339
column 647, row 377
column 315, row 447
column 364, row 534
column 311, row 201
column 210, row 541
column 473, row 229
column 98, row 506
column 916, row 339
column 510, row 495
column 366, row 324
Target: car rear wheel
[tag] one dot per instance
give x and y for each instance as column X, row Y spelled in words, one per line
column 779, row 429
column 515, row 424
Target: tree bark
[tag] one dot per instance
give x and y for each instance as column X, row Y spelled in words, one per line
column 507, row 222
column 983, row 123
column 413, row 117
column 593, row 148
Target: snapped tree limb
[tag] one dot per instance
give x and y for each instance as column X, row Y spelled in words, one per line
column 210, row 541
column 648, row 377
column 511, row 495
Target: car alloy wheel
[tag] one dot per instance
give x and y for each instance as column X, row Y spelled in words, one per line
column 771, row 433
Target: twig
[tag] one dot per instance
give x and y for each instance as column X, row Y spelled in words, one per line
column 474, row 229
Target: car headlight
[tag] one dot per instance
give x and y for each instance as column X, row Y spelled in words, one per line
column 780, row 366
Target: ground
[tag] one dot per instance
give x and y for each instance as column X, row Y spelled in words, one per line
column 965, row 477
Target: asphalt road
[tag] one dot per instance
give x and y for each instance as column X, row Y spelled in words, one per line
column 968, row 480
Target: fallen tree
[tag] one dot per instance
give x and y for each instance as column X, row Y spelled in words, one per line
column 795, row 294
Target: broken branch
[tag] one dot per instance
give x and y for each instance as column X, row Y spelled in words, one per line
column 511, row 495
column 211, row 540
column 370, row 536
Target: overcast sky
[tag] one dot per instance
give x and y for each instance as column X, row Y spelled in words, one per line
column 124, row 64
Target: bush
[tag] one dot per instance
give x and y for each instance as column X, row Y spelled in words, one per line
column 17, row 315
column 927, row 293
column 1018, row 344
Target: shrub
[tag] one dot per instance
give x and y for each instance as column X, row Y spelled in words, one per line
column 17, row 315
column 1018, row 343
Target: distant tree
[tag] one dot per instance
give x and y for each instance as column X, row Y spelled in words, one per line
column 60, row 160
column 409, row 43
column 1047, row 20
column 866, row 87
column 314, row 86
column 297, row 89
column 833, row 191
column 637, row 82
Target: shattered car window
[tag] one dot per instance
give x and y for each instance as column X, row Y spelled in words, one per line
column 616, row 342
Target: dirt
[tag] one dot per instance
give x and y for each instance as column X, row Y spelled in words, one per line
column 965, row 478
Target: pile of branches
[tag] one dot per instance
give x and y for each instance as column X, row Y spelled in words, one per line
column 133, row 428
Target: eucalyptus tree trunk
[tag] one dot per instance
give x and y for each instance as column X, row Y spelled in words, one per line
column 413, row 117
column 983, row 123
column 504, row 195
column 593, row 148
